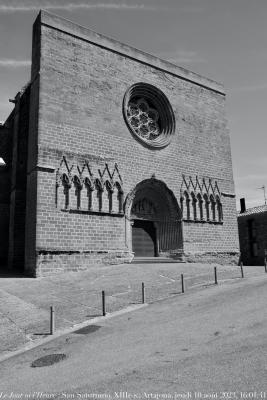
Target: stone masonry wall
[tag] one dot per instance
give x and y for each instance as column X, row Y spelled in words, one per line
column 82, row 85
column 5, row 153
column 19, row 135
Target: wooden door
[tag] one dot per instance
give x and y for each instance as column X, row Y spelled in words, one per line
column 144, row 239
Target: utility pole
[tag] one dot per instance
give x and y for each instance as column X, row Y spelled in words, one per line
column 264, row 193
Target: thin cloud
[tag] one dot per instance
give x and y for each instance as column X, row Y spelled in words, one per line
column 252, row 177
column 252, row 88
column 258, row 163
column 25, row 7
column 192, row 9
column 181, row 56
column 7, row 63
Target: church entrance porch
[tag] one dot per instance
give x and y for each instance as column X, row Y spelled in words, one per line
column 153, row 221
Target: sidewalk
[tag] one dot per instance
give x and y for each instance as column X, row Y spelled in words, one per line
column 25, row 302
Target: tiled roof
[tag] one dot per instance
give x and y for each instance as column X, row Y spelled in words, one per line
column 254, row 210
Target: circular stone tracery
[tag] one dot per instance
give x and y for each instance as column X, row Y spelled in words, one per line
column 143, row 119
column 149, row 115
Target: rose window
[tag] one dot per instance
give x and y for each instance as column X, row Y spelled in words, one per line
column 149, row 115
column 143, row 119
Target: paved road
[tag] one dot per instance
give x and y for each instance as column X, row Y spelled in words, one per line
column 209, row 341
column 25, row 302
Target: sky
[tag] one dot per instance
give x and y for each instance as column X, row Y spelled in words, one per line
column 225, row 40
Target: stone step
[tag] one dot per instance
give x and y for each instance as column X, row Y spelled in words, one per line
column 155, row 260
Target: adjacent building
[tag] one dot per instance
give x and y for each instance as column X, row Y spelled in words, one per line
column 252, row 227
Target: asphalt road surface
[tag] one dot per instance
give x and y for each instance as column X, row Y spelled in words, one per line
column 206, row 344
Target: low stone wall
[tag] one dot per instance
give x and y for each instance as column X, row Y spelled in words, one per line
column 53, row 262
column 48, row 263
column 224, row 258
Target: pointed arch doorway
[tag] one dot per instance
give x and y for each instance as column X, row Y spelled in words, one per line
column 153, row 219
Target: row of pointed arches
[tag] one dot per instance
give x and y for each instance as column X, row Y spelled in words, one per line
column 96, row 195
column 201, row 208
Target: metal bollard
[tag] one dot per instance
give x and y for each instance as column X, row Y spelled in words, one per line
column 215, row 276
column 52, row 320
column 182, row 282
column 103, row 303
column 143, row 293
column 242, row 272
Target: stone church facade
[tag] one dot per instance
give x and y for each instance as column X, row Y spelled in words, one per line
column 112, row 154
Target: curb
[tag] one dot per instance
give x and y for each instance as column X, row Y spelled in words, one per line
column 39, row 342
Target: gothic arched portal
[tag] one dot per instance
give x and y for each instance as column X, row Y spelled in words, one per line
column 153, row 220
